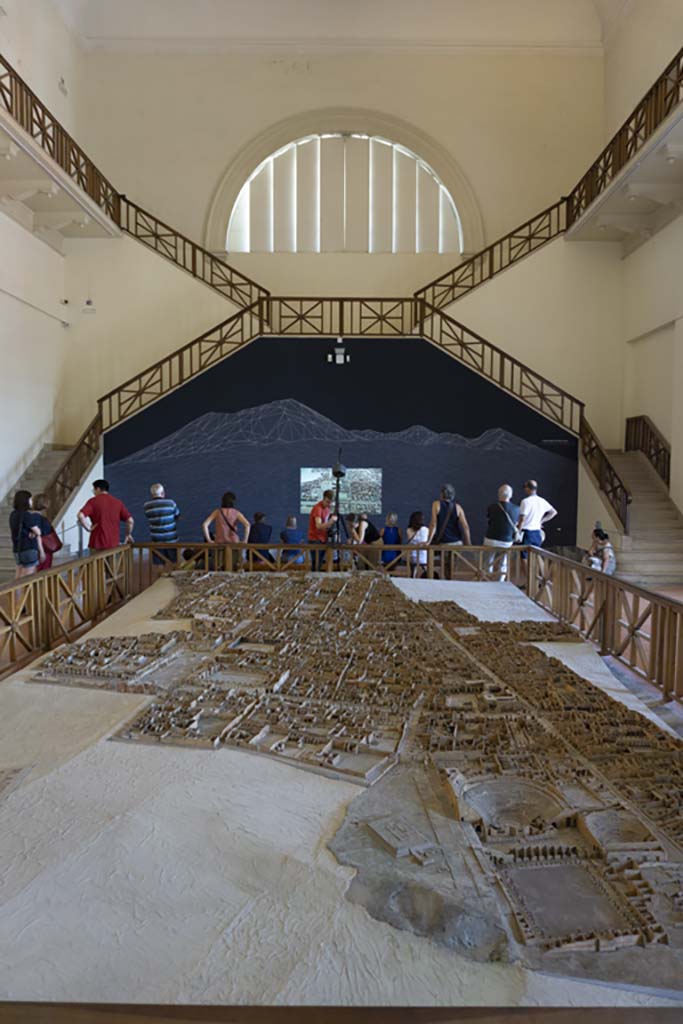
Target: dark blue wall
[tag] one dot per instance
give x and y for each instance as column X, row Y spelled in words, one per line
column 251, row 422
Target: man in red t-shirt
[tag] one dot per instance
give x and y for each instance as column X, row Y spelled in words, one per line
column 106, row 513
column 320, row 522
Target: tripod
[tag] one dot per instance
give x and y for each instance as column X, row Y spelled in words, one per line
column 341, row 531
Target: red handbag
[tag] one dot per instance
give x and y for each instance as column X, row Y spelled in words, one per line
column 52, row 543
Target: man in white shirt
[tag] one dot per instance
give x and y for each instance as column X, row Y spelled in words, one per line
column 534, row 512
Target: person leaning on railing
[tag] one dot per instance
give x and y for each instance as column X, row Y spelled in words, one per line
column 102, row 516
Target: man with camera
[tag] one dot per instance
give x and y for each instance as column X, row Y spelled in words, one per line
column 321, row 522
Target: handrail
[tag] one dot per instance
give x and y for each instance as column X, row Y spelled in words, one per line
column 641, row 629
column 33, row 116
column 643, row 436
column 605, row 475
column 69, row 475
column 496, row 257
column 39, row 611
column 661, row 98
column 659, row 101
column 498, row 366
column 188, row 255
column 176, row 369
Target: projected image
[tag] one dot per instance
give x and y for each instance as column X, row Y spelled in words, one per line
column 359, row 491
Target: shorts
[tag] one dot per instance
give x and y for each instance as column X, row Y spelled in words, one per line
column 27, row 557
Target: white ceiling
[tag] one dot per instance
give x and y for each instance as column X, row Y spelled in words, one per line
column 343, row 25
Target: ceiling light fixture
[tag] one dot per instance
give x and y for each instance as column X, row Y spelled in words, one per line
column 339, row 356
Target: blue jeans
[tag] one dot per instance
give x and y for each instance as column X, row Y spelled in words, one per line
column 318, row 557
column 533, row 537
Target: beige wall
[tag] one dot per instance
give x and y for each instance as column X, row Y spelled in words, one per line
column 522, row 127
column 342, row 273
column 36, row 42
column 146, row 308
column 33, row 345
column 646, row 38
column 559, row 312
column 649, row 380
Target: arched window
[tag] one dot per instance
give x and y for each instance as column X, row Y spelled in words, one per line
column 344, row 192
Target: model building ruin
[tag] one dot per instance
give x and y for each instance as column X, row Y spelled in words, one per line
column 506, row 807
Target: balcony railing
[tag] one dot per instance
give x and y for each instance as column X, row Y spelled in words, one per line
column 605, row 475
column 22, row 104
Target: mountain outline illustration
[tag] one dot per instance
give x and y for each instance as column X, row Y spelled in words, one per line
column 288, row 421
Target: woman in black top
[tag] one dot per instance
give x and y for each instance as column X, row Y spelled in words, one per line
column 27, row 543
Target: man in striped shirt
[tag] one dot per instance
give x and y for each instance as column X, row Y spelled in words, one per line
column 162, row 515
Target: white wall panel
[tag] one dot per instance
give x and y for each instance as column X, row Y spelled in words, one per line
column 261, row 210
column 357, row 199
column 308, row 196
column 332, row 194
column 427, row 211
column 449, row 234
column 284, row 201
column 381, row 196
column 405, row 197
column 238, row 229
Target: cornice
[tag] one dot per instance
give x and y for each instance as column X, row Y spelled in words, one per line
column 332, row 47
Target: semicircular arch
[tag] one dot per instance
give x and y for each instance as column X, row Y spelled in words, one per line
column 334, row 119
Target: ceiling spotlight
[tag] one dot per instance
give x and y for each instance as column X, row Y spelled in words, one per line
column 89, row 306
column 632, row 198
column 339, row 355
column 671, row 159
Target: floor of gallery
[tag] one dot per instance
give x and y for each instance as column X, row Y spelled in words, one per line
column 138, row 873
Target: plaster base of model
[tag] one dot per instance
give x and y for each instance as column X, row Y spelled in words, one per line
column 160, row 874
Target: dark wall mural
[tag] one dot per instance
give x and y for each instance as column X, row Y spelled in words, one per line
column 254, row 422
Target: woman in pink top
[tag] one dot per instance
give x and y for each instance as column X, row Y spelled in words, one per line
column 226, row 519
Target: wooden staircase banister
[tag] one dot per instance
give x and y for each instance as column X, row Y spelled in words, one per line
column 68, row 477
column 643, row 436
column 605, row 475
column 496, row 257
column 31, row 114
column 188, row 255
column 502, row 369
column 658, row 102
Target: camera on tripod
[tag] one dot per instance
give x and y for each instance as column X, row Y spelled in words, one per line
column 339, row 469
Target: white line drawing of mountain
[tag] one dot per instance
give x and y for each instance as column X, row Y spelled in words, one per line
column 287, row 421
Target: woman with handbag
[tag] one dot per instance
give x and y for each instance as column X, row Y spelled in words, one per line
column 448, row 524
column 51, row 542
column 227, row 518
column 27, row 543
column 501, row 531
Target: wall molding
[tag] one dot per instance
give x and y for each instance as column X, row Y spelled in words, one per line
column 327, row 47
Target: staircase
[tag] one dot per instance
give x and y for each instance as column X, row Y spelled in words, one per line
column 655, row 557
column 35, row 479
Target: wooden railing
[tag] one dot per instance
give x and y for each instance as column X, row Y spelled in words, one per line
column 189, row 256
column 68, row 477
column 604, row 473
column 498, row 256
column 499, row 367
column 656, row 105
column 643, row 436
column 474, row 563
column 640, row 629
column 341, row 317
column 176, row 369
column 23, row 105
column 42, row 610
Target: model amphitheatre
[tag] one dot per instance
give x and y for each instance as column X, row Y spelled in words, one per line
column 506, row 808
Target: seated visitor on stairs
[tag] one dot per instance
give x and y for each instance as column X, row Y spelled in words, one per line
column 601, row 553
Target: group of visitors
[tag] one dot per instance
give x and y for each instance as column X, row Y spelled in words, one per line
column 35, row 541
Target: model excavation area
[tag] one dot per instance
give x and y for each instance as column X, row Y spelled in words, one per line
column 507, row 809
